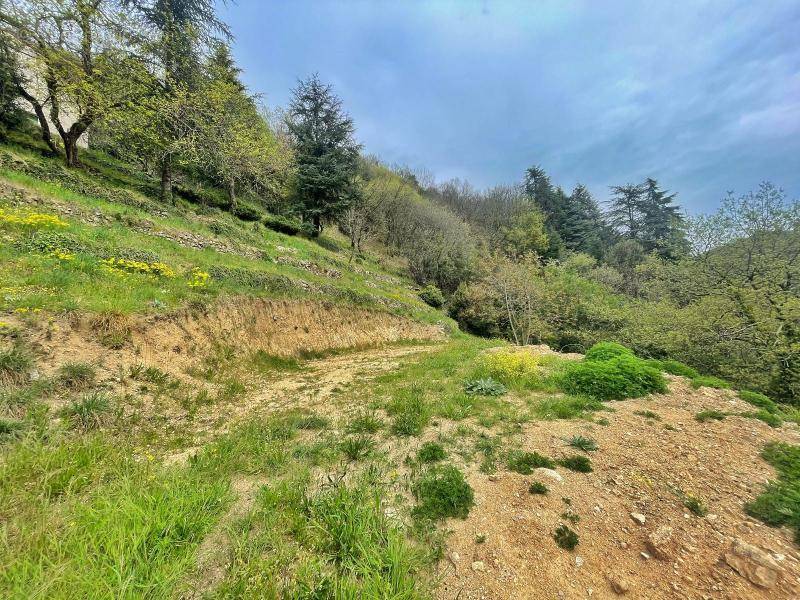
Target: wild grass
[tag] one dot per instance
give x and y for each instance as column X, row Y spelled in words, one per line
column 566, row 407
column 710, row 414
column 90, row 411
column 581, row 442
column 525, row 462
column 648, row 414
column 779, row 503
column 15, row 362
column 710, row 381
column 537, row 488
column 442, row 492
column 77, row 375
column 357, row 448
column 431, row 452
column 410, row 413
column 367, row 422
column 577, row 462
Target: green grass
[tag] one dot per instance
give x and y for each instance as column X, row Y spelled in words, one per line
column 759, row 401
column 15, row 362
column 647, row 414
column 77, row 375
column 566, row 407
column 357, row 448
column 710, row 415
column 779, row 503
column 90, row 411
column 710, row 381
column 367, row 422
column 442, row 492
column 525, row 462
column 537, row 488
column 431, row 452
column 577, row 462
column 614, row 379
column 409, row 410
column 581, row 442
column 565, row 537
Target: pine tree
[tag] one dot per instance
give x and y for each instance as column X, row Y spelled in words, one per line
column 625, row 214
column 552, row 201
column 661, row 220
column 582, row 228
column 326, row 152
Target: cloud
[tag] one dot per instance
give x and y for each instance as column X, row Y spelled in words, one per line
column 704, row 97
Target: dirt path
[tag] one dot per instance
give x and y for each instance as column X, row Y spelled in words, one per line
column 642, row 466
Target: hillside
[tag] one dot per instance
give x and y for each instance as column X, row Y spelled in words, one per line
column 197, row 406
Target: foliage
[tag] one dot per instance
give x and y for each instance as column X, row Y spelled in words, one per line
column 582, row 443
column 525, row 462
column 675, row 367
column 696, row 506
column 485, row 387
column 432, row 296
column 565, row 537
column 431, row 452
column 15, row 362
column 356, row 448
column 607, row 351
column 758, row 400
column 771, row 419
column 510, row 367
column 779, row 503
column 442, row 492
column 90, row 411
column 577, row 462
column 77, row 375
column 710, row 415
column 537, row 487
column 710, row 381
column 615, row 379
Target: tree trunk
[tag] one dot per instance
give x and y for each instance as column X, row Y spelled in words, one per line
column 231, row 195
column 166, row 181
column 47, row 137
column 317, row 221
column 71, row 150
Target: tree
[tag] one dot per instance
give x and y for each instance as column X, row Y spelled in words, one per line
column 9, row 90
column 326, row 152
column 625, row 213
column 661, row 221
column 552, row 201
column 525, row 234
column 80, row 52
column 582, row 228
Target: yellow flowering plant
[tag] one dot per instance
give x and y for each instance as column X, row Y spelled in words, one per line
column 510, row 366
column 198, row 278
column 30, row 219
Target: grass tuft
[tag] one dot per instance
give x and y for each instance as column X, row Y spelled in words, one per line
column 710, row 414
column 15, row 362
column 525, row 462
column 537, row 487
column 442, row 492
column 90, row 411
column 565, row 537
column 431, row 452
column 577, row 462
column 356, row 448
column 580, row 442
column 77, row 375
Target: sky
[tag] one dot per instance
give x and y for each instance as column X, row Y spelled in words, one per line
column 702, row 95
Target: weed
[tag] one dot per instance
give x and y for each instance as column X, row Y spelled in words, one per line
column 571, row 516
column 710, row 415
column 582, row 443
column 526, row 462
column 710, row 381
column 311, row 422
column 410, row 412
column 566, row 407
column 622, row 377
column 431, row 452
column 759, row 401
column 485, row 387
column 565, row 537
column 442, row 492
column 356, row 448
column 511, row 367
column 577, row 462
column 77, row 375
column 606, row 351
column 268, row 363
column 15, row 362
column 88, row 412
column 537, row 487
column 230, row 389
column 648, row 414
column 480, row 538
column 365, row 423
column 695, row 505
column 10, row 429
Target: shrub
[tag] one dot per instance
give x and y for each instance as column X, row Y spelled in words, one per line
column 287, row 225
column 710, row 381
column 613, row 379
column 356, row 448
column 565, row 537
column 525, row 462
column 511, row 367
column 710, row 415
column 76, row 375
column 673, row 367
column 577, row 462
column 769, row 418
column 88, row 412
column 607, row 351
column 247, row 212
column 485, row 387
column 648, row 414
column 431, row 452
column 695, row 505
column 442, row 492
column 432, row 296
column 582, row 443
column 779, row 503
column 15, row 363
column 537, row 487
column 759, row 401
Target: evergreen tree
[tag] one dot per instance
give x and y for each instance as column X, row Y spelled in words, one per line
column 326, row 153
column 625, row 214
column 582, row 228
column 661, row 220
column 552, row 201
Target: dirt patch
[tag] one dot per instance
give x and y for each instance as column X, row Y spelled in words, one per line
column 642, row 467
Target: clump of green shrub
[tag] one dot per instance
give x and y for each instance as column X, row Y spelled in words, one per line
column 710, row 415
column 779, row 503
column 442, row 492
column 432, row 296
column 615, row 379
column 759, row 401
column 695, row 505
column 431, row 452
column 606, row 351
column 674, row 367
column 537, row 488
column 287, row 225
column 525, row 462
column 15, row 363
column 710, row 381
column 582, row 443
column 89, row 411
column 648, row 414
column 356, row 448
column 513, row 367
column 565, row 537
column 76, row 375
column 767, row 417
column 484, row 387
column 577, row 462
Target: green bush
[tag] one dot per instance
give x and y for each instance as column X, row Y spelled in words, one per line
column 674, row 367
column 537, row 487
column 485, row 387
column 607, row 351
column 710, row 415
column 286, row 225
column 247, row 212
column 769, row 418
column 565, row 537
column 614, row 379
column 525, row 462
column 432, row 296
column 577, row 462
column 582, row 443
column 759, row 401
column 710, row 381
column 442, row 492
column 431, row 452
column 779, row 503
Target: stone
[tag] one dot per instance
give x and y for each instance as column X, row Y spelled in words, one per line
column 578, row 561
column 658, row 543
column 753, row 563
column 639, row 518
column 549, row 473
column 618, row 583
column 479, row 565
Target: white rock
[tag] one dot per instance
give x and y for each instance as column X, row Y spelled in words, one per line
column 639, row 518
column 550, row 473
column 479, row 565
column 578, row 562
column 752, row 563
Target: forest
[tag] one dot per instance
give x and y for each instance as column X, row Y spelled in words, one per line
column 153, row 83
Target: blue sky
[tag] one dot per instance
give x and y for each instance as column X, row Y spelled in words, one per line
column 704, row 96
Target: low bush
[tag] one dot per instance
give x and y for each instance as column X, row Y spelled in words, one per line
column 673, row 367
column 565, row 537
column 577, row 462
column 432, row 296
column 607, row 351
column 287, row 225
column 485, row 387
column 582, row 443
column 525, row 462
column 710, row 381
column 779, row 503
column 767, row 417
column 431, row 452
column 695, row 505
column 76, row 375
column 710, row 415
column 613, row 379
column 442, row 492
column 247, row 212
column 537, row 487
column 513, row 368
column 759, row 401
